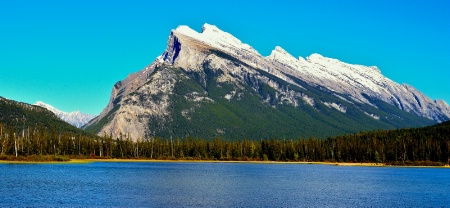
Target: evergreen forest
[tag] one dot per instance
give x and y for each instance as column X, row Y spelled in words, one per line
column 414, row 146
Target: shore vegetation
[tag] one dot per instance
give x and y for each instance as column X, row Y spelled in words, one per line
column 429, row 146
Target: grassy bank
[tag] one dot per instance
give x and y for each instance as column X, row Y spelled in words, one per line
column 86, row 159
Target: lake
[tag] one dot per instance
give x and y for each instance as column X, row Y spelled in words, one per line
column 171, row 184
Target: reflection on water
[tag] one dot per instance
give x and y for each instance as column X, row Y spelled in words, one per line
column 221, row 185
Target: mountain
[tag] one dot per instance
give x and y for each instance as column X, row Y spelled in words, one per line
column 76, row 118
column 211, row 84
column 21, row 115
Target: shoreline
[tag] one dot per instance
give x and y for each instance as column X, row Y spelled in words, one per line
column 86, row 161
column 260, row 162
column 72, row 161
column 236, row 161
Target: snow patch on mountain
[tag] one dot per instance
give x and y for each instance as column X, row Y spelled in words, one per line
column 215, row 37
column 373, row 116
column 76, row 118
column 336, row 106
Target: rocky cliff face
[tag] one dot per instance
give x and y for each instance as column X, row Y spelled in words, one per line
column 214, row 72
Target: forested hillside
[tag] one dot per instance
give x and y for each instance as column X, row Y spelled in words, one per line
column 32, row 130
column 21, row 115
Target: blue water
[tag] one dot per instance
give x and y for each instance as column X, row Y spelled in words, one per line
column 220, row 185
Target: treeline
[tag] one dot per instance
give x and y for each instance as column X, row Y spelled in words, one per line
column 406, row 146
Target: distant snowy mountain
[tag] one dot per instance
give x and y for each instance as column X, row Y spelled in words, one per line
column 211, row 84
column 76, row 118
column 20, row 116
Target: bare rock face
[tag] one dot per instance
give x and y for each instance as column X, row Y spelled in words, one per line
column 146, row 102
column 143, row 104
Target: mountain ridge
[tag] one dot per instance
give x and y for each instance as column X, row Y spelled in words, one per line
column 19, row 116
column 279, row 79
column 76, row 118
column 377, row 84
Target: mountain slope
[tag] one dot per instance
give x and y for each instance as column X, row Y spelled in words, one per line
column 76, row 118
column 21, row 115
column 210, row 84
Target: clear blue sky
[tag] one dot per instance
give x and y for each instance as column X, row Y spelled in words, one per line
column 70, row 53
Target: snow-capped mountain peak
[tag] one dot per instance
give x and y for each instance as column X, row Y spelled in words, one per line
column 215, row 37
column 215, row 56
column 282, row 55
column 76, row 118
column 48, row 107
column 357, row 81
column 314, row 57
